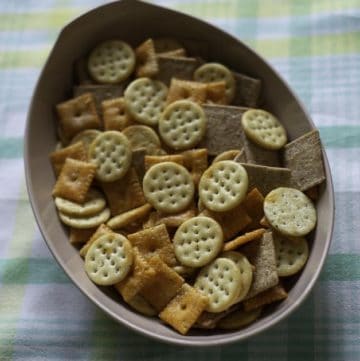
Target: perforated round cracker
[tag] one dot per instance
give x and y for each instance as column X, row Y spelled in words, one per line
column 223, row 186
column 214, row 72
column 290, row 212
column 246, row 272
column 142, row 136
column 145, row 100
column 111, row 62
column 111, row 152
column 291, row 256
column 169, row 187
column 220, row 281
column 86, row 221
column 109, row 259
column 198, row 241
column 239, row 319
column 182, row 124
column 94, row 203
column 86, row 136
column 264, row 129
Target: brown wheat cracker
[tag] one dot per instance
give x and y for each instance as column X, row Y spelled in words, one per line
column 196, row 161
column 138, row 162
column 80, row 236
column 74, row 151
column 164, row 44
column 175, row 67
column 74, row 180
column 141, row 274
column 313, row 193
column 100, row 92
column 139, row 304
column 247, row 90
column 127, row 218
column 209, row 320
column 124, row 194
column 243, row 239
column 254, row 205
column 261, row 254
column 185, row 89
column 239, row 319
column 77, row 114
column 230, row 154
column 255, row 154
column 164, row 286
column 265, row 178
column 154, row 241
column 150, row 160
column 100, row 231
column 232, row 221
column 115, row 115
column 146, row 60
column 271, row 295
column 184, row 309
column 82, row 75
column 224, row 131
column 151, row 221
column 216, row 93
column 304, row 157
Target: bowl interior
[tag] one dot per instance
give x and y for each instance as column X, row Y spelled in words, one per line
column 133, row 21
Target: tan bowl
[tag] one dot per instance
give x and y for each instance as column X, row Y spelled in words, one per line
column 134, row 21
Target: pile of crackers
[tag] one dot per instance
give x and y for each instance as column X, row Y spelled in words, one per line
column 178, row 190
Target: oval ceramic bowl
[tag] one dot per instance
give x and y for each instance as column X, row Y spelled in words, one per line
column 134, row 21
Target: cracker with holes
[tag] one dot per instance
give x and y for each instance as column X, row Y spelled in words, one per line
column 239, row 319
column 230, row 154
column 216, row 93
column 184, row 309
column 154, row 241
column 100, row 93
column 186, row 90
column 290, row 212
column 220, row 281
column 82, row 222
column 146, row 60
column 109, row 259
column 111, row 154
column 74, row 180
column 247, row 90
column 196, row 161
column 142, row 136
column 77, row 114
column 74, row 151
column 164, row 286
column 175, row 67
column 261, row 254
column 182, row 125
column 86, row 137
column 80, row 236
column 243, row 239
column 223, row 186
column 150, row 160
column 198, row 241
column 291, row 256
column 224, row 130
column 141, row 274
column 124, row 219
column 264, row 129
column 115, row 114
column 232, row 222
column 111, row 62
column 213, row 72
column 94, row 203
column 145, row 100
column 254, row 205
column 246, row 272
column 125, row 193
column 100, row 231
column 304, row 157
column 265, row 178
column 168, row 187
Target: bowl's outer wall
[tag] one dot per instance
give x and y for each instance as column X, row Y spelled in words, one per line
column 133, row 21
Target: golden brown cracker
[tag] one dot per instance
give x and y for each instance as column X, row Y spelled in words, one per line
column 271, row 295
column 74, row 180
column 150, row 160
column 245, row 238
column 100, row 231
column 175, row 53
column 230, row 154
column 115, row 115
column 254, row 205
column 216, row 93
column 79, row 236
column 196, row 161
column 184, row 309
column 124, row 194
column 264, row 222
column 146, row 60
column 154, row 241
column 185, row 89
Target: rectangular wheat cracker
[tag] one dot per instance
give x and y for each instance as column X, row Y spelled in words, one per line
column 247, row 90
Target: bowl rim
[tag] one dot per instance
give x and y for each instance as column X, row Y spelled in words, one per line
column 188, row 341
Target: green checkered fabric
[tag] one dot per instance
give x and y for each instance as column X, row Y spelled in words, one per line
column 315, row 46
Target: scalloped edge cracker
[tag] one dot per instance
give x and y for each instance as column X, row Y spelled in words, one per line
column 224, row 130
column 247, row 91
column 304, row 157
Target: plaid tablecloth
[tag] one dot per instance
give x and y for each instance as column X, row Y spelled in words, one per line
column 315, row 45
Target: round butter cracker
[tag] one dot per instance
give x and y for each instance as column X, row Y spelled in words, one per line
column 142, row 136
column 86, row 221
